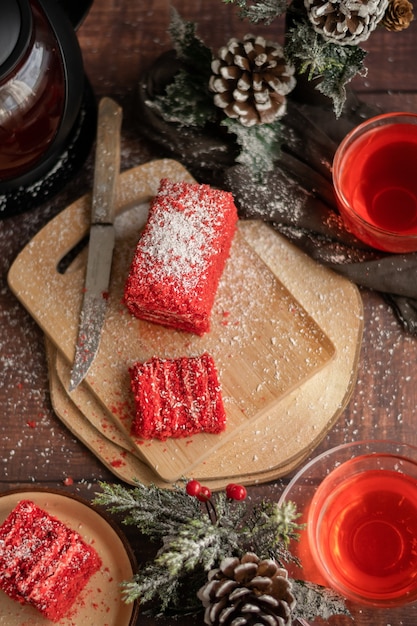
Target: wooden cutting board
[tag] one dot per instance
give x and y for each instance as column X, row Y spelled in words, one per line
column 264, row 342
column 270, row 447
column 107, row 445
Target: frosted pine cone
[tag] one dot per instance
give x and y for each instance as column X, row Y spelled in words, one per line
column 398, row 16
column 345, row 22
column 247, row 591
column 251, row 79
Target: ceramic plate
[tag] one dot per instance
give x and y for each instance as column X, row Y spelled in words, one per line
column 100, row 602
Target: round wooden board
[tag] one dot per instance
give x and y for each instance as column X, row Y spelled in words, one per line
column 261, row 452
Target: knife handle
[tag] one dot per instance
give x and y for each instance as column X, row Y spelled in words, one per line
column 107, row 161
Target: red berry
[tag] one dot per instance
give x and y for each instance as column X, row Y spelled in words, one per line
column 236, row 492
column 204, row 494
column 193, row 488
column 229, row 490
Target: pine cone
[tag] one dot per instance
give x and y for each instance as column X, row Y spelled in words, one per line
column 398, row 16
column 346, row 22
column 247, row 592
column 251, row 79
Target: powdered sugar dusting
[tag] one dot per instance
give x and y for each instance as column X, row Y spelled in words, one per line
column 247, row 345
column 174, row 245
column 183, row 229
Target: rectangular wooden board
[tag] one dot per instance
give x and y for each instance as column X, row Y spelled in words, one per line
column 263, row 341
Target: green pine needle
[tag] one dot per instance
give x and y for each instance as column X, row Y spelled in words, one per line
column 259, row 145
column 257, row 11
column 335, row 65
column 149, row 583
column 316, row 601
column 270, row 529
column 188, row 46
column 155, row 512
column 187, row 100
column 196, row 544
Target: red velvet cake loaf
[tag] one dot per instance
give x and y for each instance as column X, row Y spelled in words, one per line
column 181, row 255
column 42, row 561
column 177, row 397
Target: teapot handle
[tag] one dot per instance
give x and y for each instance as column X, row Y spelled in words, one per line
column 76, row 10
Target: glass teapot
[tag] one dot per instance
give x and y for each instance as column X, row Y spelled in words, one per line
column 41, row 84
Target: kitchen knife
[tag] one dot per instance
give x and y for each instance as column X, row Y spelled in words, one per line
column 101, row 242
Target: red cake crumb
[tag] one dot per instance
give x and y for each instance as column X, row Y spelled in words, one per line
column 176, row 398
column 181, row 255
column 43, row 562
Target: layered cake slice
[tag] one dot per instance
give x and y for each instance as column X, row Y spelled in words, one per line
column 181, row 255
column 43, row 562
column 176, row 397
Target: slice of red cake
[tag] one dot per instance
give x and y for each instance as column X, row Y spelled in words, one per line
column 181, row 255
column 177, row 397
column 42, row 561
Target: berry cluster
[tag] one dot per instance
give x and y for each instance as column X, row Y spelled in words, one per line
column 201, row 492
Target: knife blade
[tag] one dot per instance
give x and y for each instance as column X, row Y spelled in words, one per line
column 101, row 241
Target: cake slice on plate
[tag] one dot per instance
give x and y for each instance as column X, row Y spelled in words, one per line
column 43, row 562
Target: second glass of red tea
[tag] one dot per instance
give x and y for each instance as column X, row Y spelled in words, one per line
column 362, row 529
column 375, row 181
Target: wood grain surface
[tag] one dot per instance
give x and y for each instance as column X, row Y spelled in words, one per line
column 119, row 39
column 264, row 343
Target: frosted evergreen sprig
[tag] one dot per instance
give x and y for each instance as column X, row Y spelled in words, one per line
column 155, row 512
column 260, row 11
column 333, row 64
column 259, row 145
column 194, row 536
column 188, row 102
column 314, row 600
column 195, row 531
column 187, row 45
column 152, row 584
column 270, row 528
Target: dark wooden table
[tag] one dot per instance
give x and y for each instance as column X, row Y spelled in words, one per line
column 119, row 40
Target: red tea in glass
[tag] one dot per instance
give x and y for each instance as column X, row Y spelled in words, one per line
column 375, row 181
column 362, row 529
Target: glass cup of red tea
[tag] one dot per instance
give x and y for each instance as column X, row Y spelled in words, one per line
column 375, row 181
column 359, row 505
